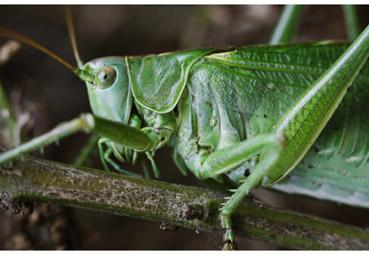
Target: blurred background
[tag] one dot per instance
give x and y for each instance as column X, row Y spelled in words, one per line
column 48, row 94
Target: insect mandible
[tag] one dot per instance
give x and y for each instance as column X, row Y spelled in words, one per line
column 250, row 114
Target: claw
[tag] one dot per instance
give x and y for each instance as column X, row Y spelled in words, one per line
column 229, row 246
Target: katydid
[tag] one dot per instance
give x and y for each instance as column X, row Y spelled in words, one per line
column 250, row 114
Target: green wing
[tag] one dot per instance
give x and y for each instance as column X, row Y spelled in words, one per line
column 157, row 81
column 262, row 82
column 337, row 167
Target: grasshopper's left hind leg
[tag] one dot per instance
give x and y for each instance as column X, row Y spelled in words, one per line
column 268, row 147
column 256, row 177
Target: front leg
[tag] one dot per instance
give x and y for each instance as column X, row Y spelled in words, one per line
column 82, row 123
column 119, row 133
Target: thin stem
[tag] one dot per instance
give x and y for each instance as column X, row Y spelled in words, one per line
column 6, row 117
column 86, row 151
column 287, row 25
column 6, row 114
column 351, row 21
column 189, row 207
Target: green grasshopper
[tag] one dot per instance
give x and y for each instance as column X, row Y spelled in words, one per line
column 251, row 115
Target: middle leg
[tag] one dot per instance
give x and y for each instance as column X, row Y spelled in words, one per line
column 105, row 156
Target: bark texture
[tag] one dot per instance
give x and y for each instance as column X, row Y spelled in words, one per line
column 36, row 180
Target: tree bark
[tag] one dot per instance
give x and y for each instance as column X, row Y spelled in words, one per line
column 37, row 180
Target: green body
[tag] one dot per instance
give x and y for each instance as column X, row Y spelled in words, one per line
column 222, row 98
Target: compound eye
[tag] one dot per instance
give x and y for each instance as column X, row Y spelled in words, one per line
column 105, row 77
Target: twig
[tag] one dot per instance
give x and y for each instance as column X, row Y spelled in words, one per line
column 7, row 121
column 351, row 21
column 28, row 231
column 189, row 207
column 287, row 25
column 6, row 117
column 86, row 151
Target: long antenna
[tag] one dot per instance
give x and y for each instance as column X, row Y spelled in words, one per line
column 5, row 32
column 72, row 34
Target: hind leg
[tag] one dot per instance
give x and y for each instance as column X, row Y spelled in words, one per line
column 253, row 180
column 219, row 162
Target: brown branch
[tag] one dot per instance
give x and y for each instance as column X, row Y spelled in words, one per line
column 25, row 232
column 189, row 207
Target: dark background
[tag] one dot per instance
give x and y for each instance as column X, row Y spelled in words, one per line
column 50, row 94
